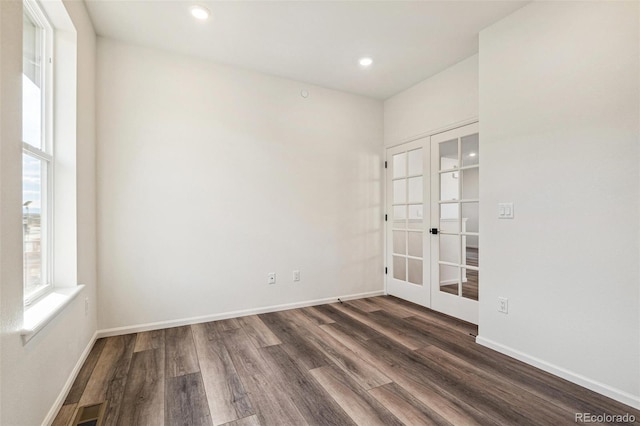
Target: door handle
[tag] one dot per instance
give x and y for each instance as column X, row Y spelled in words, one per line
column 433, row 231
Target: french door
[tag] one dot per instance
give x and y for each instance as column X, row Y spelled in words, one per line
column 432, row 229
column 408, row 195
column 455, row 166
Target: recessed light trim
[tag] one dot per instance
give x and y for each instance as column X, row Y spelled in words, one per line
column 365, row 62
column 200, row 12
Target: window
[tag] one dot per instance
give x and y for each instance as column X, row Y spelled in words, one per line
column 37, row 152
column 49, row 163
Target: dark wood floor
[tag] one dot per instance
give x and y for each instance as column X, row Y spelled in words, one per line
column 377, row 361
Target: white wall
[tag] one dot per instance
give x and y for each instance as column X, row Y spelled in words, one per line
column 33, row 375
column 210, row 177
column 86, row 212
column 559, row 128
column 10, row 220
column 443, row 100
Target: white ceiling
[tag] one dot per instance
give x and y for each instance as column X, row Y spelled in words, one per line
column 317, row 42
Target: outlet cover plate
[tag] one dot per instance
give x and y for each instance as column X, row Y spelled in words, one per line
column 503, row 305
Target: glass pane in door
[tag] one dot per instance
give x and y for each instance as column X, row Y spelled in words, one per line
column 414, row 244
column 415, row 162
column 470, row 284
column 449, row 212
column 470, row 150
column 470, row 181
column 400, row 242
column 449, row 279
column 415, row 189
column 400, row 268
column 399, row 191
column 415, row 271
column 400, row 165
column 415, row 216
column 470, row 213
column 399, row 216
column 449, row 155
column 449, row 190
column 470, row 247
column 450, row 248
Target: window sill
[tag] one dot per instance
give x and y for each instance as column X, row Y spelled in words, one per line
column 38, row 315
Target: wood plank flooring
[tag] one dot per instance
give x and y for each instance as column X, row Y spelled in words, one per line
column 376, row 361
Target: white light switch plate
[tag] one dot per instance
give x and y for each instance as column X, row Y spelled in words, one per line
column 505, row 210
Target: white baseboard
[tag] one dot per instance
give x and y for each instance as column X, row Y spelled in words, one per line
column 233, row 314
column 51, row 415
column 601, row 388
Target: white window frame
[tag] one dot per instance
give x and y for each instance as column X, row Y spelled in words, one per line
column 37, row 15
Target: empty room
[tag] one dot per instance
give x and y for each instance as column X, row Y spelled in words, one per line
column 319, row 212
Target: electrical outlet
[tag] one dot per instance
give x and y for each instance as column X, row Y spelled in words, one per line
column 296, row 275
column 271, row 278
column 503, row 305
column 86, row 306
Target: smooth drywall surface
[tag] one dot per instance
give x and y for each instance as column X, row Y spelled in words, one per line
column 1, row 197
column 559, row 105
column 86, row 156
column 210, row 177
column 442, row 101
column 10, row 219
column 33, row 375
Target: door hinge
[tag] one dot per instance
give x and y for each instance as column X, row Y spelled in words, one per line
column 385, row 217
column 386, row 270
column 385, row 164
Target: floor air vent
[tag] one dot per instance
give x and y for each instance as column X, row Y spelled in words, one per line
column 91, row 415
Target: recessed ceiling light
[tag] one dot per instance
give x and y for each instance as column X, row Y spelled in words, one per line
column 365, row 62
column 472, row 154
column 200, row 12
